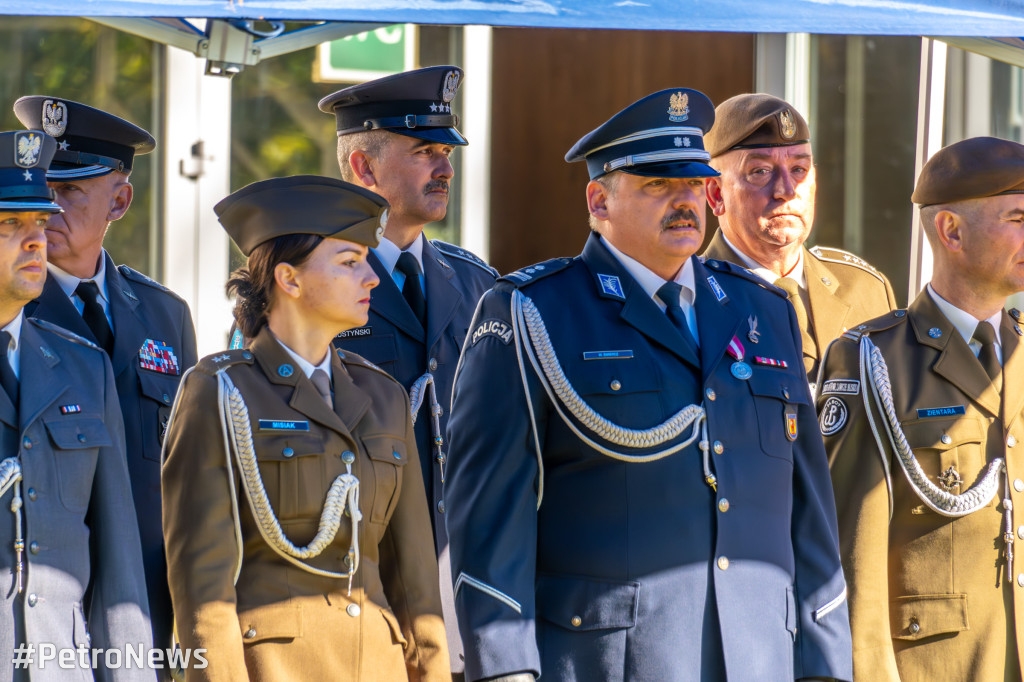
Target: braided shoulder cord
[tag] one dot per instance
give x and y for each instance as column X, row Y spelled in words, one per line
column 10, row 477
column 342, row 497
column 938, row 500
column 426, row 386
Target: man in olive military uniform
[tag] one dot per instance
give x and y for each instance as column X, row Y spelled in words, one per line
column 145, row 329
column 764, row 200
column 70, row 558
column 610, row 518
column 922, row 411
column 395, row 136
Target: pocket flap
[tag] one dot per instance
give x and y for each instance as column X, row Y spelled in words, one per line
column 386, row 449
column 779, row 384
column 159, row 387
column 283, row 448
column 942, row 434
column 75, row 433
column 396, row 630
column 587, row 604
column 274, row 621
column 927, row 615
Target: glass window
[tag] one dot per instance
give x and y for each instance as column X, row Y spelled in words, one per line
column 105, row 68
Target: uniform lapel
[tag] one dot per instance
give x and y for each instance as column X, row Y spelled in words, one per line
column 40, row 379
column 305, row 398
column 129, row 324
column 443, row 299
column 53, row 305
column 386, row 300
column 1013, row 370
column 638, row 309
column 956, row 363
column 717, row 322
column 350, row 401
column 718, row 249
column 829, row 309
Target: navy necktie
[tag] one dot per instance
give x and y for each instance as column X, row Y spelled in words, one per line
column 669, row 294
column 412, row 292
column 94, row 316
column 7, row 378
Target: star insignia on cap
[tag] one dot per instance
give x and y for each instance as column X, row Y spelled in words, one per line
column 433, row 107
column 678, row 142
column 686, row 142
column 63, row 145
column 28, row 176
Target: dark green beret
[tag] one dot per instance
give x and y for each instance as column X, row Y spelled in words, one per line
column 302, row 204
column 971, row 169
column 755, row 120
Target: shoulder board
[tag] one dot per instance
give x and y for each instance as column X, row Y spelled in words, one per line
column 462, row 254
column 61, row 331
column 212, row 364
column 741, row 272
column 528, row 275
column 136, row 276
column 841, row 257
column 887, row 321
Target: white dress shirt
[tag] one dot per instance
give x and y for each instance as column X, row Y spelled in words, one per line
column 68, row 283
column 797, row 273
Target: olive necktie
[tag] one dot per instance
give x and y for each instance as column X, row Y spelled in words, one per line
column 412, row 292
column 669, row 295
column 792, row 289
column 94, row 316
column 7, row 378
column 985, row 334
column 323, row 386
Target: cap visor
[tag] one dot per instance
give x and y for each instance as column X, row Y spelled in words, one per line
column 30, row 206
column 441, row 135
column 59, row 172
column 674, row 169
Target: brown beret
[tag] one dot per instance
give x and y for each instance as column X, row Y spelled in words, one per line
column 971, row 169
column 755, row 120
column 302, row 204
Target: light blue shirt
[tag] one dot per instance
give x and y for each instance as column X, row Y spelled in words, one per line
column 68, row 283
column 388, row 252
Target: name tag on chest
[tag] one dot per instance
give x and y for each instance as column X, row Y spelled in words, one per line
column 283, row 425
column 951, row 411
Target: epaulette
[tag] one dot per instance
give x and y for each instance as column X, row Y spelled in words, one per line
column 462, row 254
column 827, row 253
column 356, row 360
column 531, row 274
column 136, row 276
column 62, row 332
column 887, row 321
column 743, row 273
column 212, row 364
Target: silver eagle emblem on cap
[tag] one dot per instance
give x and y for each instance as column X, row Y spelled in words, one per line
column 451, row 86
column 27, row 147
column 55, row 117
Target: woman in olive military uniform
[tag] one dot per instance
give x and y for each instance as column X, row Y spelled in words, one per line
column 298, row 543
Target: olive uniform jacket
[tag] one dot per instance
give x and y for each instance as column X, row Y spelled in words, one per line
column 640, row 571
column 83, row 582
column 154, row 344
column 843, row 290
column 929, row 595
column 277, row 620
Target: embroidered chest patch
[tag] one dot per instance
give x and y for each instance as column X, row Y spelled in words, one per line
column 157, row 356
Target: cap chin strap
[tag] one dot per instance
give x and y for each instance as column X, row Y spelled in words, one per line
column 412, row 121
column 86, row 159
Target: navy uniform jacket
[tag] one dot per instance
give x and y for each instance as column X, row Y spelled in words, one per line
column 83, row 577
column 143, row 312
column 639, row 571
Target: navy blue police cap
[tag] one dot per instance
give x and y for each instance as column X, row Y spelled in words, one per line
column 24, row 156
column 660, row 136
column 414, row 103
column 90, row 142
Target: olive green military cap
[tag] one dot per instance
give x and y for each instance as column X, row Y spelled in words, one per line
column 755, row 120
column 302, row 204
column 971, row 169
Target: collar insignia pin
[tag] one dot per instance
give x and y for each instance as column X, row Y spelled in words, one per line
column 285, row 370
column 611, row 285
column 935, row 332
column 753, row 335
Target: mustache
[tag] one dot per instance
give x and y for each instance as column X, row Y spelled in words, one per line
column 434, row 185
column 681, row 214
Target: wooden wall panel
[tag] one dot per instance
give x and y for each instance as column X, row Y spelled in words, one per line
column 552, row 86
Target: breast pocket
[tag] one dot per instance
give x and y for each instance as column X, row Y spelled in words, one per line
column 949, row 450
column 777, row 397
column 627, row 391
column 388, row 456
column 158, row 391
column 296, row 473
column 76, row 443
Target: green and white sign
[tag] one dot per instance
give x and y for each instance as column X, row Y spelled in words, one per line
column 369, row 55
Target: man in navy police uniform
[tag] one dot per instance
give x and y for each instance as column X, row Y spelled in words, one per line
column 637, row 488
column 395, row 136
column 145, row 328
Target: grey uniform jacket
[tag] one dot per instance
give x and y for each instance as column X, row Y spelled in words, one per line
column 83, row 577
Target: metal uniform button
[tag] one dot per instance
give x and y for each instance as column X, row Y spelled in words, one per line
column 826, row 281
column 946, row 440
column 432, row 365
column 32, row 494
column 723, row 563
column 576, row 621
column 250, row 633
column 81, row 438
column 247, row 355
column 347, row 457
column 167, row 399
column 615, row 385
column 710, row 393
column 27, row 443
column 785, row 393
column 396, row 454
column 718, row 447
column 1018, row 484
column 1010, row 441
column 1020, row 532
column 915, row 627
column 33, row 547
column 33, row 599
column 1020, row 579
column 353, row 610
column 723, row 505
column 288, row 452
column 440, row 506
